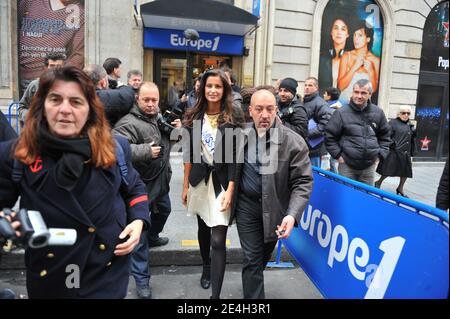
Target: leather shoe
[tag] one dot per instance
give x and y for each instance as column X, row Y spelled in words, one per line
column 160, row 241
column 205, row 280
column 144, row 292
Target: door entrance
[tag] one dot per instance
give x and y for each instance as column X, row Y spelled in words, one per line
column 432, row 116
column 175, row 72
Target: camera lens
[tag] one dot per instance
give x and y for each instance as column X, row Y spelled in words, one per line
column 38, row 241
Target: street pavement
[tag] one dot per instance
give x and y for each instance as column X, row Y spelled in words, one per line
column 176, row 266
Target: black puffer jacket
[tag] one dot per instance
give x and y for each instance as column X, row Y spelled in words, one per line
column 6, row 131
column 296, row 121
column 317, row 109
column 359, row 135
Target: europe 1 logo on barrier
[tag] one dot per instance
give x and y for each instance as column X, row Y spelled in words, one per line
column 354, row 245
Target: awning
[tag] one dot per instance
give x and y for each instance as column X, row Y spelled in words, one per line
column 201, row 15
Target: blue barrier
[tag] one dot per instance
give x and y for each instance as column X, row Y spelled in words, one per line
column 357, row 241
column 10, row 116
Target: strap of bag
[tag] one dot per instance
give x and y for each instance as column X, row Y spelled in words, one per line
column 120, row 155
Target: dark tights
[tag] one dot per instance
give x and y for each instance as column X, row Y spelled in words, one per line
column 400, row 186
column 213, row 238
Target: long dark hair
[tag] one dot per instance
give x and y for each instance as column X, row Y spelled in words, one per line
column 369, row 32
column 96, row 128
column 227, row 112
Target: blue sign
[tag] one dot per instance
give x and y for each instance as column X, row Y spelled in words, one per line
column 353, row 244
column 208, row 42
column 257, row 8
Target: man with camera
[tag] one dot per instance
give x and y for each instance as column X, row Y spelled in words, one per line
column 148, row 133
column 291, row 110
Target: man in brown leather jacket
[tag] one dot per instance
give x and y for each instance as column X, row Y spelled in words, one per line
column 274, row 183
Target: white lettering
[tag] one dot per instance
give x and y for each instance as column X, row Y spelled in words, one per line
column 324, row 241
column 443, row 63
column 361, row 261
column 339, row 231
column 216, row 43
column 73, row 279
column 357, row 252
column 392, row 249
column 177, row 41
column 304, row 224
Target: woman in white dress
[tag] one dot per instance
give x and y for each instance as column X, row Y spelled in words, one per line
column 209, row 174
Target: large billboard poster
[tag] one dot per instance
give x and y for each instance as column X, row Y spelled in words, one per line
column 351, row 45
column 49, row 26
column 435, row 42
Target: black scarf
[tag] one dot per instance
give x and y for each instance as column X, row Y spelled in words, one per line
column 70, row 155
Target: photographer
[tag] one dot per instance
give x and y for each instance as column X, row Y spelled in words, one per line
column 148, row 133
column 291, row 110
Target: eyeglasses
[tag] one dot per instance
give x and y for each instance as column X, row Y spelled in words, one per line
column 403, row 113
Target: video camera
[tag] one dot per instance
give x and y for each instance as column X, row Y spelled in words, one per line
column 34, row 231
column 168, row 117
column 286, row 112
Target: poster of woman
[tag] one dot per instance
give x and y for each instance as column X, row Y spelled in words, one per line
column 351, row 45
column 49, row 26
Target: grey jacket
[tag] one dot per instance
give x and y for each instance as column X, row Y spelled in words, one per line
column 237, row 100
column 287, row 191
column 141, row 130
column 25, row 101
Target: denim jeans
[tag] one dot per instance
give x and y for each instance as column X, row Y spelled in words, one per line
column 140, row 262
column 316, row 161
column 140, row 256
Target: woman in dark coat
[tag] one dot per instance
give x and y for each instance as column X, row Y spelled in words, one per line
column 68, row 170
column 398, row 161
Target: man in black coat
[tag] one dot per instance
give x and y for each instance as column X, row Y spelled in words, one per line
column 358, row 135
column 319, row 114
column 117, row 102
column 6, row 131
column 291, row 110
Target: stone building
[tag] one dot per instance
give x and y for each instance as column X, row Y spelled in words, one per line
column 262, row 41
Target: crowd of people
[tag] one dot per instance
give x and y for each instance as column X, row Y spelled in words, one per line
column 94, row 155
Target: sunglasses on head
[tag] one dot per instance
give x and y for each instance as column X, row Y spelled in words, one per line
column 403, row 113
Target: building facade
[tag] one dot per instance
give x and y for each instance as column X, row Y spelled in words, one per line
column 285, row 39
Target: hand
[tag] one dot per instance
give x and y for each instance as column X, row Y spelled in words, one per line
column 367, row 65
column 284, row 231
column 134, row 230
column 359, row 62
column 176, row 123
column 184, row 98
column 15, row 224
column 184, row 196
column 155, row 150
column 226, row 200
column 341, row 160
